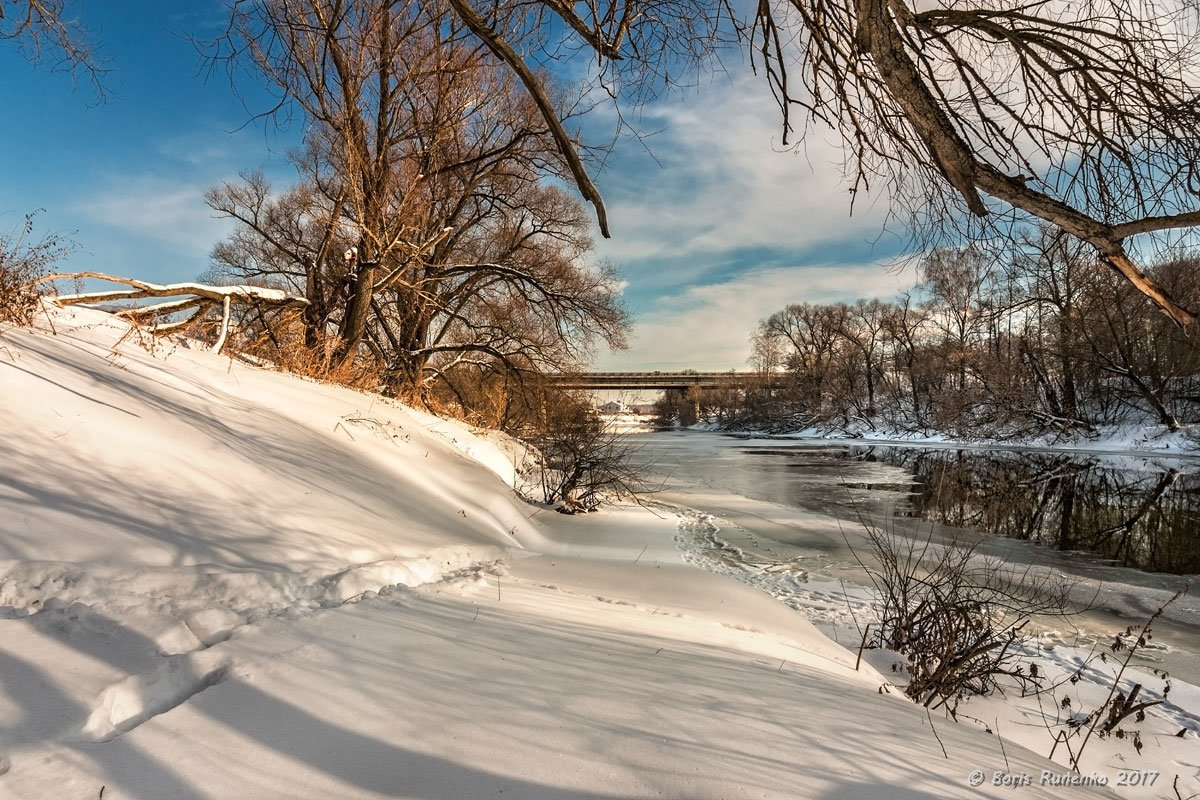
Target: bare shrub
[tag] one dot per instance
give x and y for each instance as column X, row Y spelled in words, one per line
column 1124, row 707
column 956, row 615
column 582, row 461
column 280, row 338
column 23, row 259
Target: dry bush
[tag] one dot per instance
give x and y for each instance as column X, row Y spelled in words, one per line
column 956, row 615
column 320, row 362
column 582, row 462
column 18, row 303
column 24, row 259
column 485, row 394
column 1123, row 709
column 573, row 460
column 278, row 339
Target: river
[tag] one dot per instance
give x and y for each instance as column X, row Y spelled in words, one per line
column 787, row 516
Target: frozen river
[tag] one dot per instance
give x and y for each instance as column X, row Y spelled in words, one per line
column 787, row 516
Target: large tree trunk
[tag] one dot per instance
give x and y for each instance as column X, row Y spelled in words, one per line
column 358, row 311
column 316, row 313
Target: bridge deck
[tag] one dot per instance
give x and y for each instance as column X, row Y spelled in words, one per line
column 649, row 380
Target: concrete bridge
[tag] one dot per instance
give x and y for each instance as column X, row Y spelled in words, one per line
column 689, row 411
column 661, row 381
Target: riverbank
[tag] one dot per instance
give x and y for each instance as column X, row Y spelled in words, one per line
column 221, row 582
column 784, row 516
column 1136, row 440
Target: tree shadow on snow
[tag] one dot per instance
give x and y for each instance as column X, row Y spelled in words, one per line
column 46, row 715
column 238, row 439
column 364, row 761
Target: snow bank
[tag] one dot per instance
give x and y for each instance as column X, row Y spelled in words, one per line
column 1129, row 439
column 219, row 581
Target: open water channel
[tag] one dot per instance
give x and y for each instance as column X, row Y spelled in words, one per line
column 787, row 516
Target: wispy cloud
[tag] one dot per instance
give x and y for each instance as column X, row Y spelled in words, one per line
column 161, row 210
column 729, row 226
column 219, row 148
column 199, row 150
column 727, row 184
column 162, row 204
column 708, row 327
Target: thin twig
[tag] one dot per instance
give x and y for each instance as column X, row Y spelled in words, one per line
column 935, row 733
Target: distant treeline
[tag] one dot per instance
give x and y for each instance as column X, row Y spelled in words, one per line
column 1043, row 338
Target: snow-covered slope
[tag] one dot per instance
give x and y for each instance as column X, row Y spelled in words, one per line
column 218, row 581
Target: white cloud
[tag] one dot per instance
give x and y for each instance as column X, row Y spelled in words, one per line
column 726, row 183
column 729, row 199
column 164, row 211
column 199, row 150
column 159, row 212
column 708, row 327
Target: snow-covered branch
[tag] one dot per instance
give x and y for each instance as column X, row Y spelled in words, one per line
column 141, row 289
column 195, row 297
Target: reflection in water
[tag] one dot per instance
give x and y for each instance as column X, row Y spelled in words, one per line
column 1148, row 520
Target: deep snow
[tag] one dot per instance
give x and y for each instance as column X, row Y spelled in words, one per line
column 219, row 581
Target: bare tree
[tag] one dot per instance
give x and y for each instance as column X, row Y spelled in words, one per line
column 47, row 31
column 1155, row 365
column 1080, row 113
column 811, row 338
column 864, row 329
column 956, row 280
column 1049, row 275
column 424, row 232
column 910, row 372
column 1052, row 343
column 345, row 67
column 641, row 46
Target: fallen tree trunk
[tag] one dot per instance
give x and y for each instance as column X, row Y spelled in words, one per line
column 197, row 298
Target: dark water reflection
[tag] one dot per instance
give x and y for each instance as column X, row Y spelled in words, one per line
column 1147, row 518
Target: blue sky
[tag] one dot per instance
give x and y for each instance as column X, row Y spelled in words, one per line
column 715, row 231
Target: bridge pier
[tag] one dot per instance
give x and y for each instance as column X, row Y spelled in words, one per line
column 689, row 411
column 681, row 387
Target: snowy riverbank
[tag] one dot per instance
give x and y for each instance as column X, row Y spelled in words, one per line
column 222, row 582
column 1132, row 440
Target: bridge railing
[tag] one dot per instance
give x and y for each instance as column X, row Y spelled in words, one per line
column 652, row 379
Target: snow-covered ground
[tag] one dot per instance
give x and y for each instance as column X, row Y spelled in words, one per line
column 218, row 581
column 1129, row 439
column 794, row 533
column 1072, row 659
